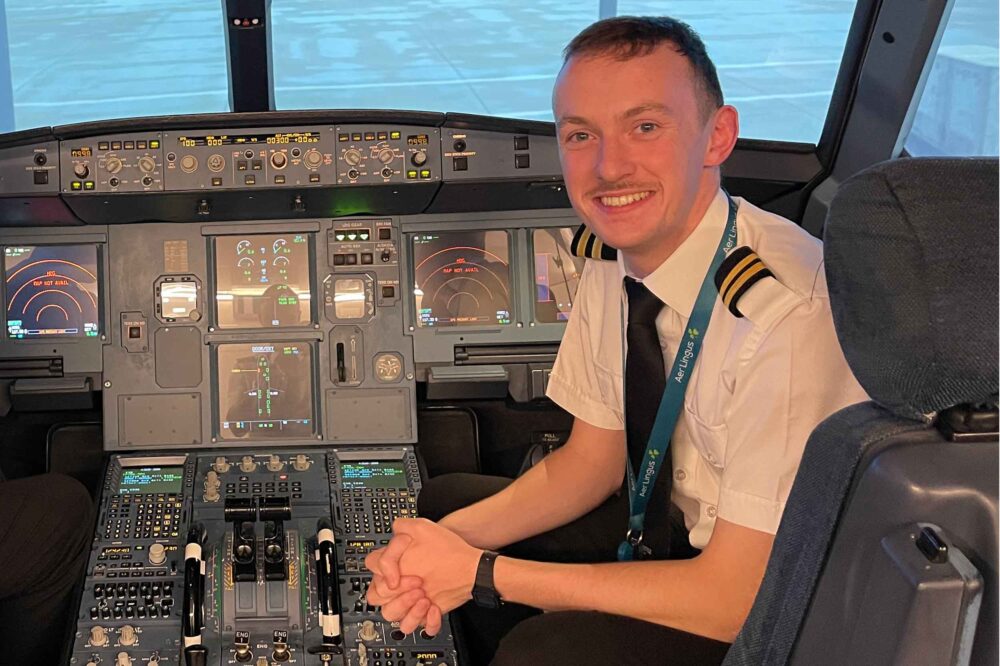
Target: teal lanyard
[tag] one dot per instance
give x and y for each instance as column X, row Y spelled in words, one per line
column 672, row 400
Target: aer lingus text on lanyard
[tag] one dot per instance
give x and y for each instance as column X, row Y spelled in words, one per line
column 673, row 398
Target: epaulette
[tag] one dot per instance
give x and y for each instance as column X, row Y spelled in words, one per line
column 739, row 271
column 585, row 244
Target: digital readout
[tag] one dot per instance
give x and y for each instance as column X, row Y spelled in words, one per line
column 280, row 138
column 417, row 140
column 81, row 152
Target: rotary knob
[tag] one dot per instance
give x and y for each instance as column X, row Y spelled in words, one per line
column 221, row 465
column 313, row 159
column 386, row 155
column 189, row 163
column 278, row 160
column 212, row 479
column 157, row 554
column 122, row 659
column 98, row 636
column 216, row 163
column 274, row 464
column 368, row 631
column 247, row 464
column 81, row 171
column 127, row 635
column 419, row 158
column 147, row 164
column 352, row 156
column 301, row 463
column 113, row 165
column 211, row 494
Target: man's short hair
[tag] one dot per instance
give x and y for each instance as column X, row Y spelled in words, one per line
column 626, row 37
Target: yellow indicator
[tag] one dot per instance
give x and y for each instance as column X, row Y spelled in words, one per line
column 154, row 144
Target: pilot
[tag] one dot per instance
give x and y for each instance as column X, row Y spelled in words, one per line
column 45, row 531
column 696, row 365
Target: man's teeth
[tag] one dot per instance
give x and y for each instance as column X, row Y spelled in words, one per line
column 624, row 200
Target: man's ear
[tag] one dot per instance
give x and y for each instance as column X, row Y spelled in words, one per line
column 725, row 128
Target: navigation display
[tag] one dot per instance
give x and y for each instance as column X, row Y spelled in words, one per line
column 373, row 474
column 51, row 290
column 265, row 390
column 462, row 278
column 557, row 274
column 151, row 480
column 262, row 281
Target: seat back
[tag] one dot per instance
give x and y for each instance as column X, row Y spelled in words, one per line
column 887, row 550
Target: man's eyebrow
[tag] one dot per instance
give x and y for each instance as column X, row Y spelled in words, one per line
column 570, row 120
column 644, row 108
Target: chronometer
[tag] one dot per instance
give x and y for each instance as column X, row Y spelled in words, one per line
column 484, row 592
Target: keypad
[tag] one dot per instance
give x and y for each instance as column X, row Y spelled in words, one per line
column 372, row 510
column 146, row 599
column 244, row 487
column 143, row 516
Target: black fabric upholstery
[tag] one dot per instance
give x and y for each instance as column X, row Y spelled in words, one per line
column 911, row 262
column 806, row 531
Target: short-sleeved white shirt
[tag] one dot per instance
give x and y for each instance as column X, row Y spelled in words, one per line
column 759, row 387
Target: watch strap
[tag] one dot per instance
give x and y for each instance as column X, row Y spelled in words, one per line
column 484, row 592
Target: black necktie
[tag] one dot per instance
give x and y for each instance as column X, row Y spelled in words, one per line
column 645, row 377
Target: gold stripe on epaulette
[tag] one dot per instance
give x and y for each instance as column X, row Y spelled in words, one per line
column 586, row 244
column 739, row 271
column 757, row 267
column 749, row 259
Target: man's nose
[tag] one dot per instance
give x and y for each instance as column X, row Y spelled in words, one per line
column 615, row 160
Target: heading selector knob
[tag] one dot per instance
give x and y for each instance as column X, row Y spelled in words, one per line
column 98, row 636
column 247, row 464
column 352, row 156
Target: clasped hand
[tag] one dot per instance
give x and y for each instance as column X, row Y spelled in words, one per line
column 425, row 571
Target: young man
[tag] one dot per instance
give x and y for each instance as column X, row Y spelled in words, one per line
column 642, row 133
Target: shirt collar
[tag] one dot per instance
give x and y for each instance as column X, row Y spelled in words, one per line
column 678, row 280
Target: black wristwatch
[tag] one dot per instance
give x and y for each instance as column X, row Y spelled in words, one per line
column 484, row 592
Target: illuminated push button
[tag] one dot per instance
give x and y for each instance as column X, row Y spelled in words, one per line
column 141, row 145
column 339, row 259
column 384, row 233
column 460, row 163
column 351, row 259
column 367, row 258
column 250, row 179
column 388, row 292
column 154, row 144
column 382, row 136
column 76, row 186
column 41, row 177
column 411, row 174
column 103, row 145
column 394, row 135
column 116, row 145
column 314, row 178
column 425, row 173
column 88, row 185
column 129, row 145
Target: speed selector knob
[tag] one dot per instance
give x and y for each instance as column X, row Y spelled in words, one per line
column 147, row 164
column 247, row 464
column 368, row 631
column 301, row 463
column 127, row 635
column 81, row 170
column 157, row 554
column 113, row 165
column 274, row 464
column 98, row 636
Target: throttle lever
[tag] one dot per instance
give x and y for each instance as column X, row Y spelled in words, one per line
column 326, row 579
column 194, row 591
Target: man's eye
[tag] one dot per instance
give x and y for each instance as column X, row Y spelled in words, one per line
column 577, row 137
column 646, row 128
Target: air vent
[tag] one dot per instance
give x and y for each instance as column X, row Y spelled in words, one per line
column 17, row 368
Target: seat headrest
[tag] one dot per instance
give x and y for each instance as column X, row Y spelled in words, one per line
column 911, row 262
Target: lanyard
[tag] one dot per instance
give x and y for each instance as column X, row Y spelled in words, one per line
column 672, row 400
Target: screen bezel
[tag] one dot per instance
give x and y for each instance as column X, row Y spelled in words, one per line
column 217, row 430
column 512, row 282
column 534, row 275
column 213, row 277
column 63, row 337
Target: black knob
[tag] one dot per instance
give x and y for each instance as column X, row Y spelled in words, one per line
column 460, row 145
column 41, row 159
column 196, row 655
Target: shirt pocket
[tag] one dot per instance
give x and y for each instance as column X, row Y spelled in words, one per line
column 709, row 439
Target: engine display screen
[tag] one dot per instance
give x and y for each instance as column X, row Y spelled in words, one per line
column 557, row 274
column 262, row 281
column 266, row 391
column 462, row 278
column 151, row 480
column 51, row 290
column 373, row 474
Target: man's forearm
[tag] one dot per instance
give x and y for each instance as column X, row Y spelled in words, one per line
column 676, row 594
column 561, row 488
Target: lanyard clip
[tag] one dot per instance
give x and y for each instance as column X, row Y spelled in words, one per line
column 632, row 547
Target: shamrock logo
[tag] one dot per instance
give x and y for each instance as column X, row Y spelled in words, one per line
column 694, row 332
